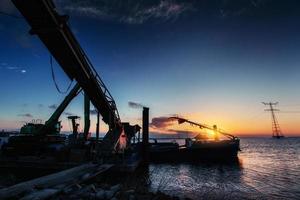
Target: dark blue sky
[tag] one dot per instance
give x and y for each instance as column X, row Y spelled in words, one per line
column 208, row 60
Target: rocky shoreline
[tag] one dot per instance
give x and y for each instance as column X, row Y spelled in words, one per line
column 97, row 191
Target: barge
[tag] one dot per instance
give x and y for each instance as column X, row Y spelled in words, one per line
column 197, row 148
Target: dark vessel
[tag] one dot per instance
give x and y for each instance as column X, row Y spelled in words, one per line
column 198, row 148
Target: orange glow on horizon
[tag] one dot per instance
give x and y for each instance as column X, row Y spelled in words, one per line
column 234, row 123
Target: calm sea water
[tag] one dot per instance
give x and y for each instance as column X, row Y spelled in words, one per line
column 267, row 169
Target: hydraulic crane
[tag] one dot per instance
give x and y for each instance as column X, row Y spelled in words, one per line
column 52, row 125
column 54, row 32
column 201, row 126
column 34, row 138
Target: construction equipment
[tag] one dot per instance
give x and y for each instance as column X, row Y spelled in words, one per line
column 35, row 138
column 201, row 126
column 275, row 125
column 52, row 125
column 197, row 148
column 56, row 35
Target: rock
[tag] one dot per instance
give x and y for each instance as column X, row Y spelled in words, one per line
column 109, row 194
column 100, row 194
column 42, row 194
column 112, row 191
column 67, row 190
column 129, row 192
column 143, row 197
column 29, row 190
column 115, row 188
column 114, row 198
column 86, row 195
column 118, row 194
column 93, row 188
column 85, row 176
column 131, row 197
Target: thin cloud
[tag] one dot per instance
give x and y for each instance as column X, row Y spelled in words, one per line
column 68, row 113
column 174, row 132
column 12, row 27
column 12, row 68
column 161, row 122
column 28, row 115
column 24, row 40
column 7, row 7
column 53, row 106
column 139, row 12
column 16, row 69
column 132, row 12
column 132, row 104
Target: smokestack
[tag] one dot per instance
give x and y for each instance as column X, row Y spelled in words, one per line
column 145, row 132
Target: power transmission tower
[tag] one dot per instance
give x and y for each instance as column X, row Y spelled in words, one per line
column 275, row 125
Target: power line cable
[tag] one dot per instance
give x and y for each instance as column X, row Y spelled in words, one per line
column 286, row 111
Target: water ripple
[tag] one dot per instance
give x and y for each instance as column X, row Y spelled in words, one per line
column 267, row 169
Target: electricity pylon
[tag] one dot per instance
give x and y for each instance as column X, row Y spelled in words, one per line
column 275, row 125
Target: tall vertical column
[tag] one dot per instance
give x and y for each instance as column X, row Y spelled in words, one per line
column 86, row 116
column 97, row 126
column 145, row 140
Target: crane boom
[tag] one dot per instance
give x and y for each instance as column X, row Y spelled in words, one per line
column 182, row 120
column 56, row 35
column 54, row 32
column 60, row 109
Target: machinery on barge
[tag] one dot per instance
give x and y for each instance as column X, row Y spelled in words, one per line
column 200, row 147
column 42, row 145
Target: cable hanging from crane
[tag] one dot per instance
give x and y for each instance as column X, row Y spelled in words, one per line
column 54, row 79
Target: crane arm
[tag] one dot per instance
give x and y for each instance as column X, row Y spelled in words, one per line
column 60, row 109
column 182, row 120
column 57, row 36
column 55, row 33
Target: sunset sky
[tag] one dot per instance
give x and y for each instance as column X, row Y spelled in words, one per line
column 209, row 61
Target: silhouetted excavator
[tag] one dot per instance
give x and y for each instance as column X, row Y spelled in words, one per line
column 36, row 138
